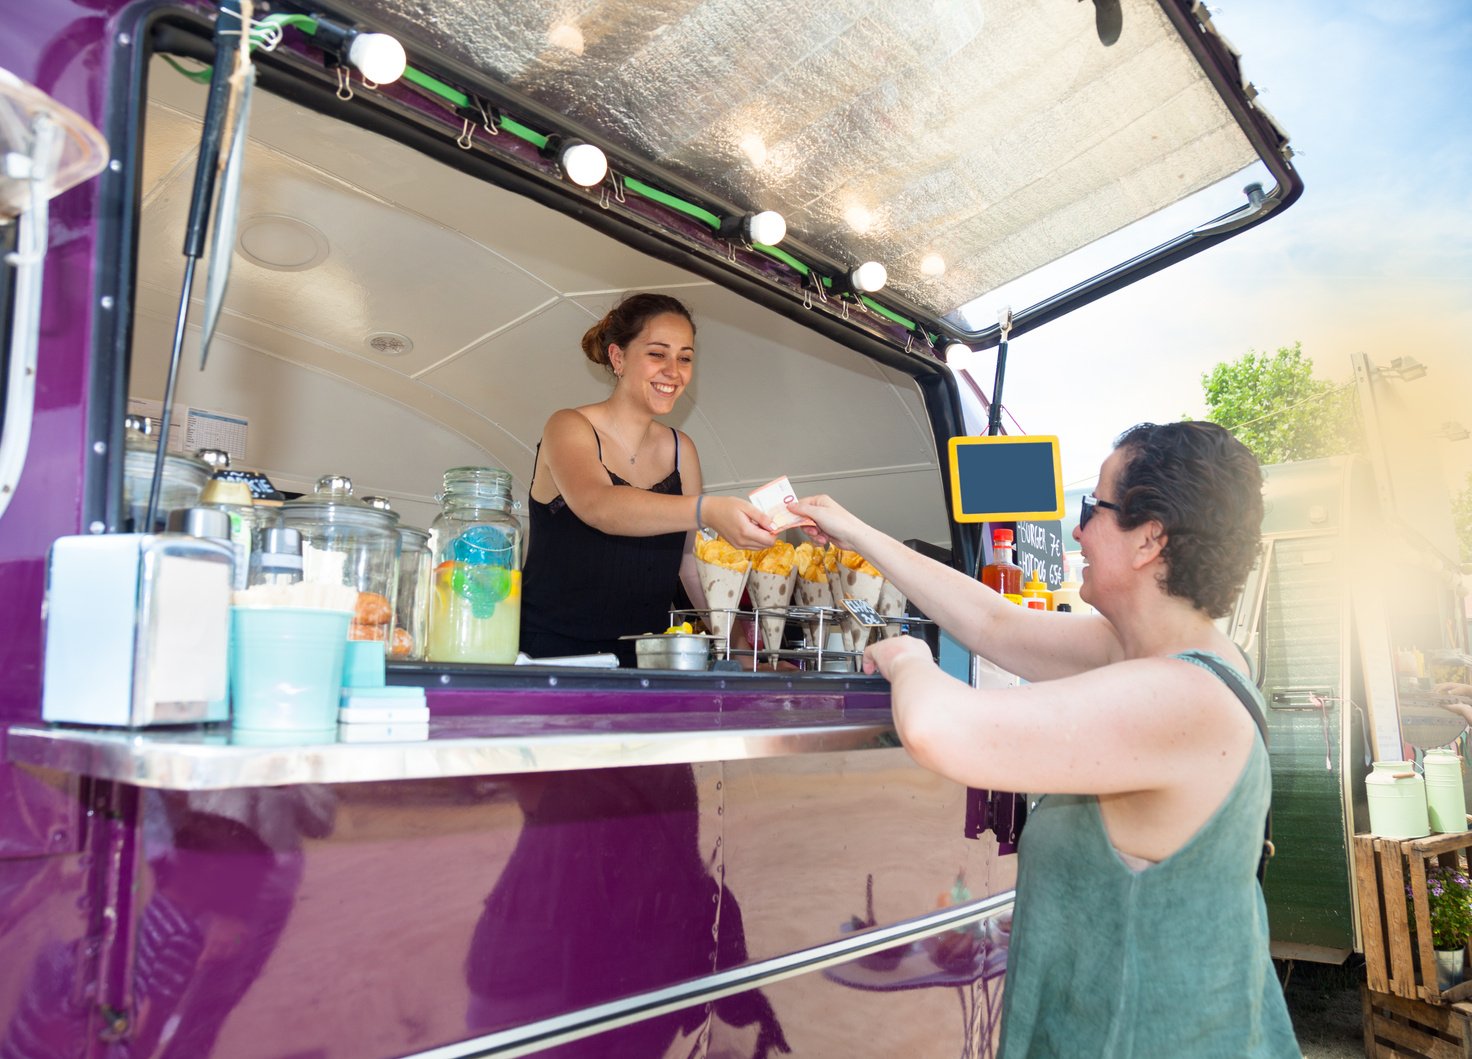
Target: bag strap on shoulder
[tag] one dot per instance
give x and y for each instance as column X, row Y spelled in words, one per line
column 1234, row 680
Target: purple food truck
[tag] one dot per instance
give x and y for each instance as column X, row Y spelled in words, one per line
column 419, row 205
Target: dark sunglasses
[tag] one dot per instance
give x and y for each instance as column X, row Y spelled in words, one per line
column 1086, row 510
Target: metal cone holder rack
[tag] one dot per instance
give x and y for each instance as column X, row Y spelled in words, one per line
column 817, row 622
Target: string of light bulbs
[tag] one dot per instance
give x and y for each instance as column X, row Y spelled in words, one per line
column 381, row 60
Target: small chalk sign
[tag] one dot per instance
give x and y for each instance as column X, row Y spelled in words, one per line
column 260, row 486
column 866, row 615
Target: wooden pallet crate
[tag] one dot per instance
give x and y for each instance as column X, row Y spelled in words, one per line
column 1396, row 1027
column 1398, row 961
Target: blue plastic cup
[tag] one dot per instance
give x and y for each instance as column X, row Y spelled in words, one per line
column 364, row 666
column 286, row 667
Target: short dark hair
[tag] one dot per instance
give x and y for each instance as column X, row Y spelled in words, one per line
column 1204, row 487
column 622, row 324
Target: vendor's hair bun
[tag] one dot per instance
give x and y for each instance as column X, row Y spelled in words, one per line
column 622, row 324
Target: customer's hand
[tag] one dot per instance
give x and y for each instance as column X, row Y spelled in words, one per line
column 738, row 521
column 834, row 522
column 888, row 657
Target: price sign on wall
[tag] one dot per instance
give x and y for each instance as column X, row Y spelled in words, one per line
column 1040, row 551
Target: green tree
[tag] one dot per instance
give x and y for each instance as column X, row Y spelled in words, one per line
column 1274, row 406
column 1462, row 517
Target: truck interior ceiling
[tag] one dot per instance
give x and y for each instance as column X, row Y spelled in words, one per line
column 389, row 317
column 414, row 263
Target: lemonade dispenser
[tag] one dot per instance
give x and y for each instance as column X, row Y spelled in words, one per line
column 475, row 599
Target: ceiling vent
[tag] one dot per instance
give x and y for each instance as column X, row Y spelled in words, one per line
column 389, row 343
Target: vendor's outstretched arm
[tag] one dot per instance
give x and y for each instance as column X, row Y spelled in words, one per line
column 569, row 450
column 1036, row 646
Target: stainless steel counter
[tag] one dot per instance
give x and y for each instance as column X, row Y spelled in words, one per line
column 217, row 758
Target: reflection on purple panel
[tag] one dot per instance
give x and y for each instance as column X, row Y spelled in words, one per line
column 606, row 895
column 998, row 811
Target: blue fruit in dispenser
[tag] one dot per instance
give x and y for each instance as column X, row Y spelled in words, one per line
column 482, row 544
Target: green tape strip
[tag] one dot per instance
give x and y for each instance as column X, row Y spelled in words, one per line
column 784, row 257
column 882, row 311
column 306, row 23
column 531, row 136
column 654, row 194
column 460, row 99
column 435, row 85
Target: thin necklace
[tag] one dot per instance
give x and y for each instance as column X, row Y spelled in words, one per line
column 634, row 452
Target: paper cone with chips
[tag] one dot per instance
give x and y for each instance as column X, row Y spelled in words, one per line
column 723, row 569
column 859, row 579
column 773, row 573
column 891, row 605
column 832, row 571
column 812, row 586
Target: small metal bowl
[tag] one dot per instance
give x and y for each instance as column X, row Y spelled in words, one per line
column 675, row 650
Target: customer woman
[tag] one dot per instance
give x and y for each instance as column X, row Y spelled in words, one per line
column 1139, row 929
column 615, row 496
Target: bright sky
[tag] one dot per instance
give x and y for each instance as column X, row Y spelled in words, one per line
column 1376, row 257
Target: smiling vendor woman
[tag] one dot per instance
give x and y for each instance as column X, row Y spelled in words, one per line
column 615, row 496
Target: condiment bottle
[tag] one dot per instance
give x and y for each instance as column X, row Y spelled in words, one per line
column 1002, row 574
column 1036, row 589
column 1066, row 594
column 475, row 598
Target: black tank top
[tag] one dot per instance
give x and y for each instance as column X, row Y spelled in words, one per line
column 583, row 588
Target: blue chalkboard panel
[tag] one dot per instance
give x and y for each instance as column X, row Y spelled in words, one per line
column 1002, row 479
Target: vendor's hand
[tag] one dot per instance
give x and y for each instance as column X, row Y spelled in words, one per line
column 887, row 657
column 1460, row 703
column 834, row 522
column 739, row 521
column 1457, row 691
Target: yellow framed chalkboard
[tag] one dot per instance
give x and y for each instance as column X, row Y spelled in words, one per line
column 1004, row 479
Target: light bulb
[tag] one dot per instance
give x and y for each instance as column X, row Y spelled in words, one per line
column 767, row 228
column 869, row 277
column 583, row 163
column 859, row 218
column 955, row 350
column 932, row 265
column 754, row 147
column 567, row 36
column 378, row 57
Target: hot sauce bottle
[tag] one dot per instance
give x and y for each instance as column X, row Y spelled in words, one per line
column 1002, row 574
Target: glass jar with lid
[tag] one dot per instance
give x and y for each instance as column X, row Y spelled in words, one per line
column 411, row 607
column 346, row 542
column 475, row 597
column 411, row 602
column 180, row 485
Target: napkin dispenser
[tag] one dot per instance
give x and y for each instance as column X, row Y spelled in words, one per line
column 137, row 630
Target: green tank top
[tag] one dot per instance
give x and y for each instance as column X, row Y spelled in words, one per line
column 1169, row 961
